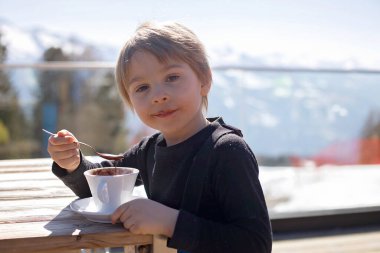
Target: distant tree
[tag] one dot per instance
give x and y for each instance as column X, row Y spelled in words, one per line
column 4, row 134
column 371, row 126
column 53, row 97
column 3, row 49
column 102, row 112
column 12, row 118
column 10, row 111
column 83, row 101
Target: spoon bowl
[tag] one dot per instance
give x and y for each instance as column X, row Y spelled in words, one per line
column 103, row 155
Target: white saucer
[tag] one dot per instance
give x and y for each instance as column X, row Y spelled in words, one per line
column 87, row 208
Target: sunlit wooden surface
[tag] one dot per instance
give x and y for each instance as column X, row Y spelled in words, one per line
column 35, row 215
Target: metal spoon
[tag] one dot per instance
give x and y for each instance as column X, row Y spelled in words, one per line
column 103, row 155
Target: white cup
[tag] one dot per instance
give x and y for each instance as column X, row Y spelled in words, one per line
column 110, row 187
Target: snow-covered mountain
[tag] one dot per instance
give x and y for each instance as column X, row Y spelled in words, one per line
column 280, row 113
column 295, row 113
column 28, row 45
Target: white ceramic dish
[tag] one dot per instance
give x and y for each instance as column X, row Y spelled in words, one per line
column 87, row 208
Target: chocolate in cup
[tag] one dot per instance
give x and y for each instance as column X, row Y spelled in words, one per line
column 112, row 171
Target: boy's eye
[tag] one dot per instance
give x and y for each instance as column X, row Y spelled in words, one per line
column 172, row 78
column 141, row 88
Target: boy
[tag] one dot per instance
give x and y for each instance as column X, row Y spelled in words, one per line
column 163, row 75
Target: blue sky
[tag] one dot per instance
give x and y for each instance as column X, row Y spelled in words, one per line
column 332, row 30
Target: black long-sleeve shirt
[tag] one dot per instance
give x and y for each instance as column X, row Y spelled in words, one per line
column 232, row 217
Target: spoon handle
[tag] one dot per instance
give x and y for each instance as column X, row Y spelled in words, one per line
column 87, row 145
column 105, row 156
column 46, row 131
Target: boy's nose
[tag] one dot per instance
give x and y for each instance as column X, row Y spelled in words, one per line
column 160, row 99
column 160, row 96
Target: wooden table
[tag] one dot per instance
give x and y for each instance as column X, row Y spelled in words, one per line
column 35, row 215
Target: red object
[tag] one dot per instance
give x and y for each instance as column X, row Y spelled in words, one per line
column 365, row 151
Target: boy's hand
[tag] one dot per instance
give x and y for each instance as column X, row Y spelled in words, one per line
column 64, row 150
column 145, row 216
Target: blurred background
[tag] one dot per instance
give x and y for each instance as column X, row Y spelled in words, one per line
column 300, row 78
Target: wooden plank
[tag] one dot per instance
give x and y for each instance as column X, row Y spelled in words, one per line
column 38, row 214
column 42, row 187
column 21, row 185
column 19, row 170
column 159, row 245
column 36, row 194
column 130, row 249
column 28, row 175
column 84, row 241
column 26, row 163
column 32, row 204
column 58, row 226
column 30, row 207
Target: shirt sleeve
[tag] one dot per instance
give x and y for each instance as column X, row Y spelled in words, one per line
column 235, row 183
column 76, row 180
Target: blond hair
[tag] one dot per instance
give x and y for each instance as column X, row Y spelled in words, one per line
column 164, row 41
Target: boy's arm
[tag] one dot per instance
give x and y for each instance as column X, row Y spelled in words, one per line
column 135, row 157
column 238, row 191
column 76, row 180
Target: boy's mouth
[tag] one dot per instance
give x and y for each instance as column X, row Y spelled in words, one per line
column 163, row 114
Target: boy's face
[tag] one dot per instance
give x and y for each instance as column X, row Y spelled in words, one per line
column 167, row 96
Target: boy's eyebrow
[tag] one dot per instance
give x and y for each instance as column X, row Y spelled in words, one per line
column 134, row 79
column 165, row 68
column 172, row 66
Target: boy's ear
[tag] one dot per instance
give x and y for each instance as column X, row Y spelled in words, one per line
column 205, row 88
